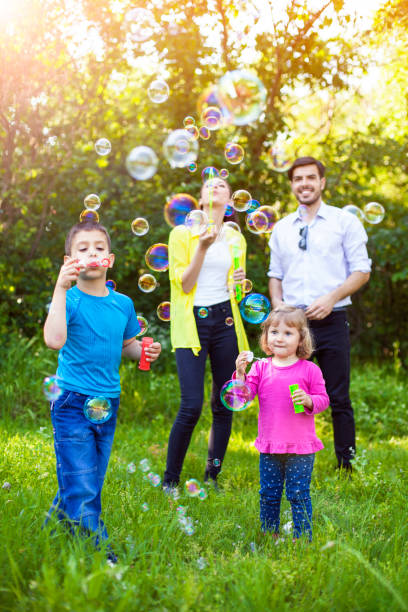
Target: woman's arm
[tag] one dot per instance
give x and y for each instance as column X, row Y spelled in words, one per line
column 190, row 274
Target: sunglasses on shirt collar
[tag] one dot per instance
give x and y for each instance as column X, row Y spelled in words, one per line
column 303, row 237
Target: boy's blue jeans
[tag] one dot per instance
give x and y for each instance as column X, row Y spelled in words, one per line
column 297, row 471
column 82, row 451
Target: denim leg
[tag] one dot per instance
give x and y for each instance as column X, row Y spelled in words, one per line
column 82, row 452
column 298, row 476
column 272, row 475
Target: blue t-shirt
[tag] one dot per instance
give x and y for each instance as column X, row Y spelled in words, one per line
column 96, row 328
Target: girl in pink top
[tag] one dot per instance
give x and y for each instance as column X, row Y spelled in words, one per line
column 286, row 440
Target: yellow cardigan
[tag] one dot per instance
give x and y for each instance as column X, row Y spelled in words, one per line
column 183, row 328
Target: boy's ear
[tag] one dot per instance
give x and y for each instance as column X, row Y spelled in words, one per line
column 66, row 258
column 111, row 260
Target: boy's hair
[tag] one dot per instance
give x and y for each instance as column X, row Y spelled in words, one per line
column 86, row 226
column 306, row 161
column 292, row 317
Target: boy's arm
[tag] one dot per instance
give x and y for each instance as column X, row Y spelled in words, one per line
column 55, row 327
column 132, row 349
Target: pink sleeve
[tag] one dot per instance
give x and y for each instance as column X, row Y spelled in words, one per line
column 252, row 378
column 317, row 391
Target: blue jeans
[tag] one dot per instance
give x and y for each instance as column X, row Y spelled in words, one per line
column 297, row 471
column 82, row 451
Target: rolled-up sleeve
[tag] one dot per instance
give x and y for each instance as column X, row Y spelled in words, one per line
column 355, row 246
column 275, row 264
column 178, row 253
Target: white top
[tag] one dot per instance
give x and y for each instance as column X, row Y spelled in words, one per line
column 336, row 247
column 212, row 281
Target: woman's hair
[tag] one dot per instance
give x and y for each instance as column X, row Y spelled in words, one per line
column 232, row 217
column 292, row 317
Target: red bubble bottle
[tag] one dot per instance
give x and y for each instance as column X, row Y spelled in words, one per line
column 143, row 363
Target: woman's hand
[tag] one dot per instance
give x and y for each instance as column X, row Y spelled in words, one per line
column 301, row 397
column 241, row 364
column 238, row 275
column 208, row 237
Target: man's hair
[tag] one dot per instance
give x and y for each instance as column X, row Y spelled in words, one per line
column 306, row 161
column 85, row 226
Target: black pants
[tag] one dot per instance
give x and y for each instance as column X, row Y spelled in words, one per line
column 219, row 341
column 331, row 337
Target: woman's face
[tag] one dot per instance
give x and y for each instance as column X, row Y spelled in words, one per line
column 217, row 190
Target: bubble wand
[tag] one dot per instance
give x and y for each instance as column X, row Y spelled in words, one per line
column 210, row 198
column 238, row 289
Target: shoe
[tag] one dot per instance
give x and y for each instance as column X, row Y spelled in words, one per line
column 111, row 558
column 212, row 482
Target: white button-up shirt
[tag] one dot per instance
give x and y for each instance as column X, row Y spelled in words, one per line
column 336, row 247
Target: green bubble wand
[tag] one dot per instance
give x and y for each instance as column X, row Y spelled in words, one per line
column 210, row 198
column 236, row 253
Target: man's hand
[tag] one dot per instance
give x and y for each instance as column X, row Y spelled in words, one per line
column 321, row 307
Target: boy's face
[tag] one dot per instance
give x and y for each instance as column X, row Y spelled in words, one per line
column 91, row 250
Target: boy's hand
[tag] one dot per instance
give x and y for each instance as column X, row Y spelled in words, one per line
column 301, row 397
column 241, row 364
column 69, row 273
column 153, row 351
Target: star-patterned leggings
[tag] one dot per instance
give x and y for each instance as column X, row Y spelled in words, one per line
column 296, row 470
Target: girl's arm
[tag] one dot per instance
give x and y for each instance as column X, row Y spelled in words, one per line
column 252, row 378
column 318, row 400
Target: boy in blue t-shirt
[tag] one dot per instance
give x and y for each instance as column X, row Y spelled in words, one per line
column 92, row 326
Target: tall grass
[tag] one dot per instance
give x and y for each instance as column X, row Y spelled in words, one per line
column 357, row 560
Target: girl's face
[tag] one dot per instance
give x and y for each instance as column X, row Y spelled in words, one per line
column 218, row 190
column 282, row 340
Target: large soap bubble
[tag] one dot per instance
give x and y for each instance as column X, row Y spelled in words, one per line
column 271, row 216
column 98, row 409
column 197, row 222
column 257, row 222
column 240, row 200
column 178, row 207
column 234, row 153
column 254, row 308
column 243, row 95
column 356, row 211
column 141, row 163
column 180, row 149
column 374, row 212
column 236, row 395
column 163, row 311
column 157, row 257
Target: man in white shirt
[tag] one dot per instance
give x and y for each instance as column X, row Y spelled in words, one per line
column 318, row 260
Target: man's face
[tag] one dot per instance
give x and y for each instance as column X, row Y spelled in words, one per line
column 307, row 185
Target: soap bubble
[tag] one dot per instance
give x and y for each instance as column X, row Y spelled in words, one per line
column 211, row 117
column 111, row 284
column 147, row 283
column 141, row 163
column 235, row 395
column 180, row 149
column 253, row 205
column 270, row 214
column 243, row 95
column 51, row 388
column 140, row 226
column 356, row 211
column 202, row 312
column 192, row 487
column 187, row 121
column 157, row 257
column 89, row 215
column 374, row 212
column 103, row 146
column 181, row 510
column 98, row 410
column 145, row 507
column 143, row 325
column 177, row 208
column 229, row 211
column 144, row 465
column 154, row 479
column 247, row 285
column 210, row 98
column 229, row 321
column 92, row 201
column 163, row 311
column 204, row 132
column 257, row 222
column 193, row 132
column 280, row 158
column 131, row 468
column 255, row 308
column 197, row 222
column 224, row 173
column 234, row 153
column 189, row 530
column 216, row 462
column 158, row 91
column 240, row 199
column 229, row 229
column 192, row 167
column 140, row 24
column 202, row 494
column 209, row 173
column 201, row 563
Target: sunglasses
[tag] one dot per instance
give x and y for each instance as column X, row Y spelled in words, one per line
column 303, row 237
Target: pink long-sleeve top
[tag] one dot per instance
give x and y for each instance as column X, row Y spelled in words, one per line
column 280, row 429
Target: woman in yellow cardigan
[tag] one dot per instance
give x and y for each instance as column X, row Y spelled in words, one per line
column 205, row 320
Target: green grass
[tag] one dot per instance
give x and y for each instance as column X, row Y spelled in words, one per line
column 357, row 560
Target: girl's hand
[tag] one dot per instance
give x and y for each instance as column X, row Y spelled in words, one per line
column 241, row 364
column 301, row 397
column 69, row 273
column 238, row 275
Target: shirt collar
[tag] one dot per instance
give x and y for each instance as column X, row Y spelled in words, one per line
column 322, row 212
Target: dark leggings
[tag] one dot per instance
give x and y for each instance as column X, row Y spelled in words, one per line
column 218, row 340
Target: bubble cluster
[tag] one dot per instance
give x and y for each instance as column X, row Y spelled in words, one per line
column 240, row 199
column 103, row 146
column 374, row 212
column 154, row 479
column 51, row 388
column 140, row 24
column 192, row 487
column 178, row 207
column 98, row 409
column 202, row 312
column 111, row 284
column 143, row 325
column 141, row 163
column 158, row 91
column 193, row 132
column 197, row 222
column 163, row 311
column 147, row 283
column 234, row 153
column 89, row 215
column 180, row 149
column 140, row 226
column 211, row 117
column 254, row 308
column 157, row 257
column 235, row 395
column 356, row 211
column 92, row 201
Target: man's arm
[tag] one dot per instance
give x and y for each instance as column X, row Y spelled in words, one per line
column 275, row 291
column 323, row 305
